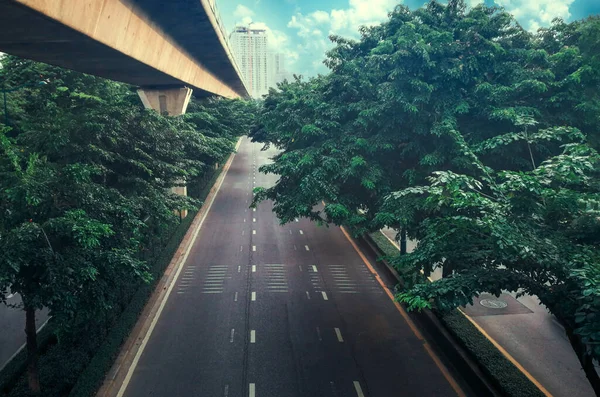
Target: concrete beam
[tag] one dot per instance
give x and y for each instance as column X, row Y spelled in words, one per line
column 117, row 25
column 168, row 102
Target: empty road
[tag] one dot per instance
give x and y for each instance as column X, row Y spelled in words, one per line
column 264, row 310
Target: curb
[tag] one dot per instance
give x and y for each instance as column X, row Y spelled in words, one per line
column 444, row 342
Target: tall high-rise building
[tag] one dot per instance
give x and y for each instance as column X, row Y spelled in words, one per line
column 260, row 67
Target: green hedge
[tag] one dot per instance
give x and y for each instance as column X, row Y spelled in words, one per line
column 78, row 366
column 504, row 375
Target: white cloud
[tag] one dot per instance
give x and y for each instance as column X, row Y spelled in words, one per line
column 533, row 14
column 344, row 22
column 320, row 16
column 241, row 11
column 243, row 14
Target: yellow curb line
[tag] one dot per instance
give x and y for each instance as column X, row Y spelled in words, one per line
column 507, row 355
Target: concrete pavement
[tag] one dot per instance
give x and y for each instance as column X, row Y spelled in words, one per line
column 531, row 335
column 261, row 309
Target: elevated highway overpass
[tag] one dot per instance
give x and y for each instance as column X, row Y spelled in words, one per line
column 167, row 48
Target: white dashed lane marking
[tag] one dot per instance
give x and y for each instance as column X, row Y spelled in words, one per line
column 358, row 389
column 338, row 333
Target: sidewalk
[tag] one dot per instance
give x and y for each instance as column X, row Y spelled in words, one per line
column 530, row 334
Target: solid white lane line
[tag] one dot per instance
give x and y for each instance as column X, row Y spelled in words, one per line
column 253, row 231
column 306, row 247
column 358, row 389
column 253, row 295
column 252, row 336
column 324, row 295
column 314, row 268
column 231, row 336
column 301, row 232
column 252, row 390
column 254, row 248
column 235, row 297
column 307, row 295
column 253, row 268
column 338, row 333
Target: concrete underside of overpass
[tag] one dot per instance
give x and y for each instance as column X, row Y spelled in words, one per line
column 142, row 43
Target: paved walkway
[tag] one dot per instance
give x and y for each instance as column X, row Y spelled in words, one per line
column 532, row 336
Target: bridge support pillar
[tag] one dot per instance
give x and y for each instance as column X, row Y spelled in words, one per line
column 168, row 102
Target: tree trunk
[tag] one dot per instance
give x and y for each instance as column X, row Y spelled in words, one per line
column 447, row 269
column 32, row 351
column 587, row 363
column 403, row 241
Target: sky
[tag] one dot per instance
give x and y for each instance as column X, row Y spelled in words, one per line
column 300, row 28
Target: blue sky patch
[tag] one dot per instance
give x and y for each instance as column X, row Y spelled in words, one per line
column 300, row 29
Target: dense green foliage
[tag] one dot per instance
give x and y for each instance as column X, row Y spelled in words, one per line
column 85, row 190
column 476, row 136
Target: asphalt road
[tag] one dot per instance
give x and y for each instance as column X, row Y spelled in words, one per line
column 266, row 310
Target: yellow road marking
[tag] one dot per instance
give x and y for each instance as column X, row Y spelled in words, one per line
column 508, row 356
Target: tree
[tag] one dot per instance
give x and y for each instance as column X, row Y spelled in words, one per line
column 85, row 190
column 532, row 232
column 461, row 127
